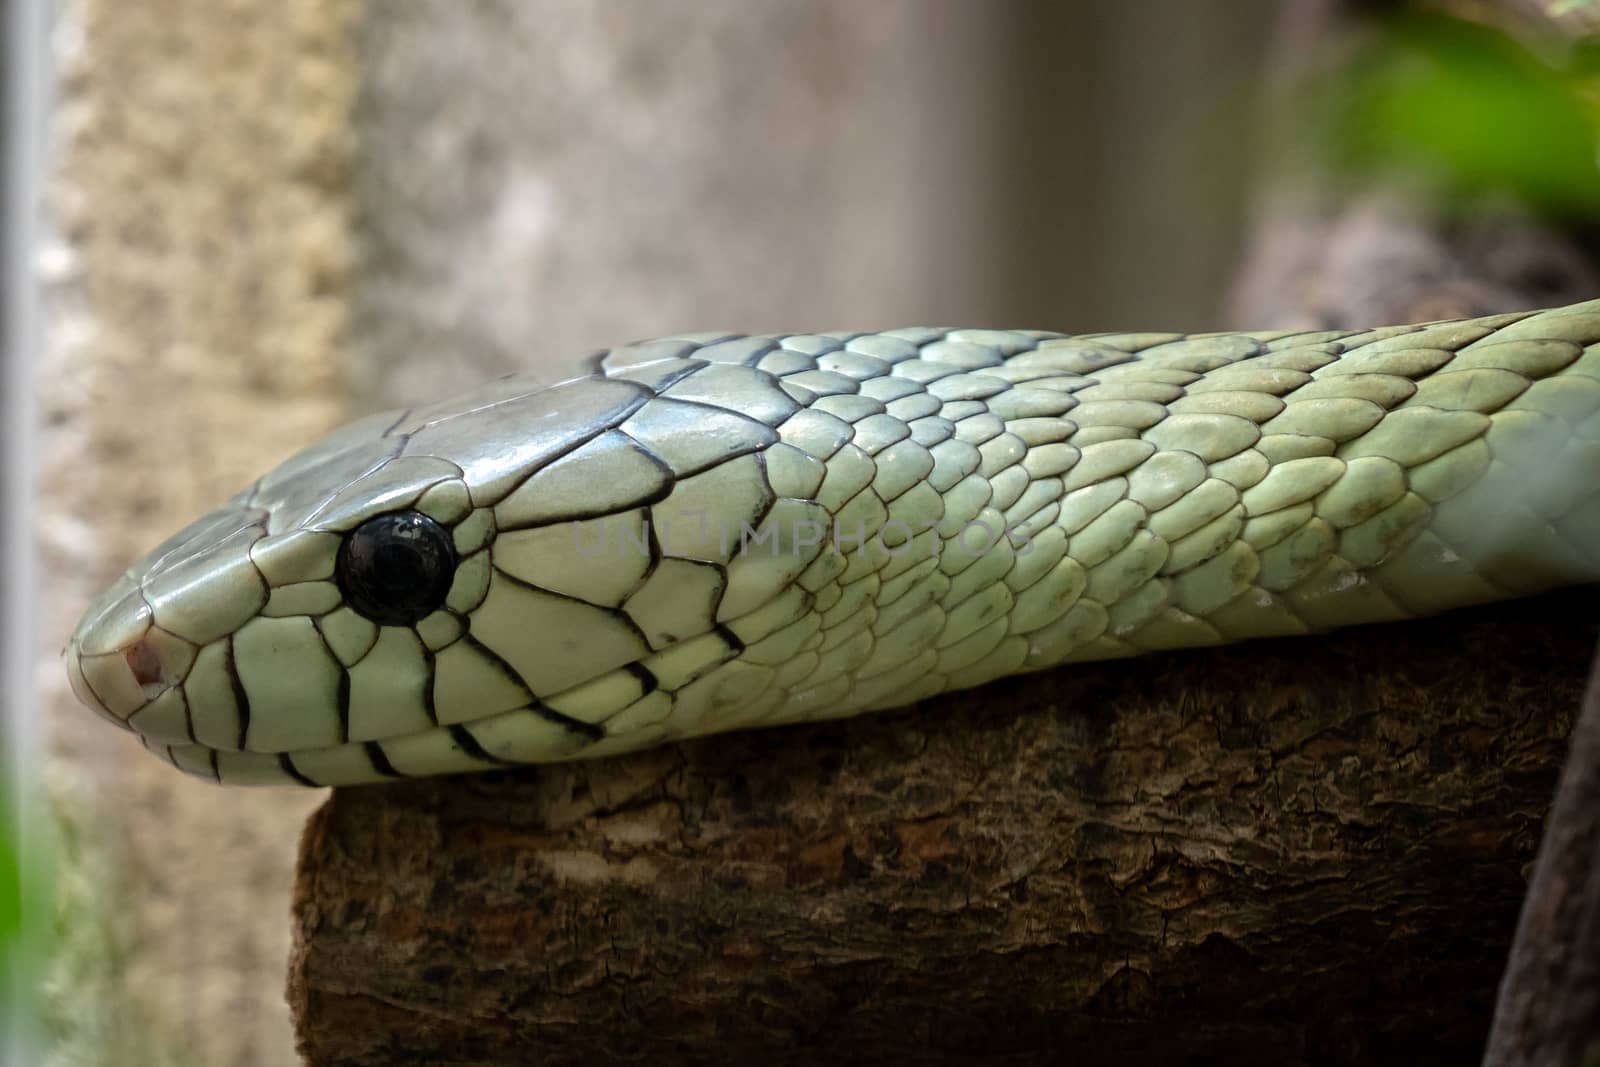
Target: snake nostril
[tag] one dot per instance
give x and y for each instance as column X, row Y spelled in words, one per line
column 145, row 664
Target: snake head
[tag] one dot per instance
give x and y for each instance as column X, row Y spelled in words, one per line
column 482, row 582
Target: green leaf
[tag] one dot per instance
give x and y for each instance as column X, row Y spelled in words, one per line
column 1470, row 111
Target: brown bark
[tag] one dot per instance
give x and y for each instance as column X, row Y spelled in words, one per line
column 1292, row 852
column 1549, row 1005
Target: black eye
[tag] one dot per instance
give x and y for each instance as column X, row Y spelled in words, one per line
column 394, row 569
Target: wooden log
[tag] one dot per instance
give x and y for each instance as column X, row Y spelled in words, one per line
column 1304, row 851
column 1549, row 1004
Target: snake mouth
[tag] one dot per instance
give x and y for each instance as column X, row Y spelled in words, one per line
column 514, row 739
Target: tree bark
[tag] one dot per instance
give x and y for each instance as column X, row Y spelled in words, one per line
column 1549, row 1005
column 1292, row 852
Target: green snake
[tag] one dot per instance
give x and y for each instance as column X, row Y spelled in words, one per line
column 714, row 532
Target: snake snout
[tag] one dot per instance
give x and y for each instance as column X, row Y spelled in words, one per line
column 110, row 661
column 130, row 671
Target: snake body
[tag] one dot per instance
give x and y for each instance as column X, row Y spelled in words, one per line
column 711, row 532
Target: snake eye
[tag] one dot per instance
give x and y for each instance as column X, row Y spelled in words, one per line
column 396, row 568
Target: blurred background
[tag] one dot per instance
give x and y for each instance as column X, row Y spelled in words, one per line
column 262, row 219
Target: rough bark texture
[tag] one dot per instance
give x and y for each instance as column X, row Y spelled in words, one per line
column 1296, row 852
column 1549, row 1006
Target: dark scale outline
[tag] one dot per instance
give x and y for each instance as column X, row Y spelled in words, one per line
column 946, row 370
column 188, row 711
column 644, row 397
column 616, row 613
column 786, row 354
column 732, row 649
column 826, row 415
column 1005, row 386
column 653, row 546
column 773, row 496
column 691, row 353
column 342, row 694
column 535, row 703
column 487, row 551
column 773, row 382
column 688, row 347
column 1100, row 338
column 694, row 364
column 462, row 619
column 771, row 501
column 599, row 513
column 1031, row 340
column 1079, row 381
column 181, row 688
column 881, row 407
column 718, row 409
column 469, row 744
column 250, row 517
column 501, row 665
column 770, row 344
column 885, row 605
column 716, row 600
column 428, row 687
column 247, row 496
column 777, row 496
column 578, row 726
column 889, row 501
column 1411, row 328
column 395, row 425
column 784, row 339
column 516, row 398
column 729, row 638
column 656, row 556
column 461, row 479
column 690, row 472
column 1290, row 341
column 241, row 698
column 307, row 522
column 866, row 537
column 395, row 508
column 647, row 680
column 342, row 690
column 380, row 760
column 890, row 402
column 286, row 764
column 845, row 351
column 817, row 394
column 918, row 346
column 833, row 513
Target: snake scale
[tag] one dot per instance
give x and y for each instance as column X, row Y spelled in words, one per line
column 711, row 532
